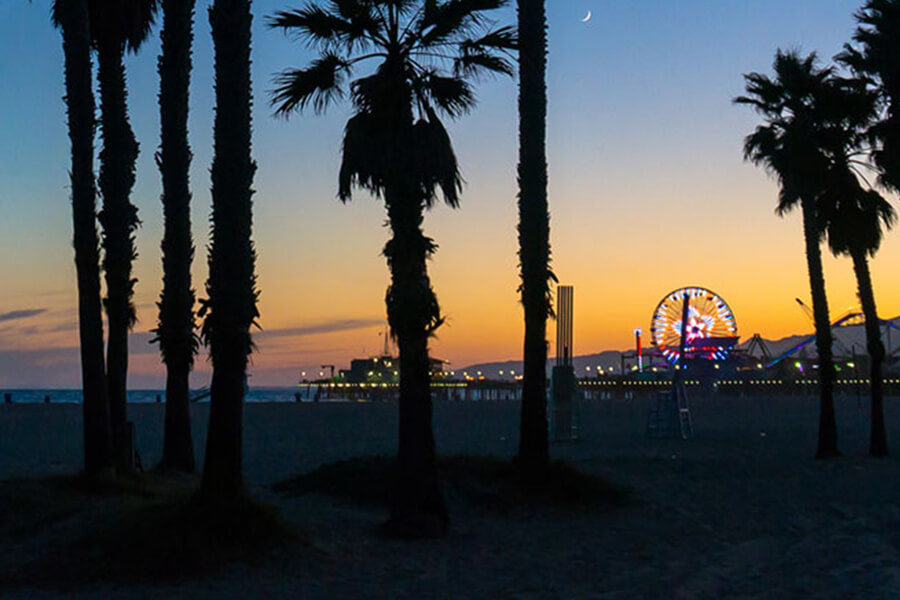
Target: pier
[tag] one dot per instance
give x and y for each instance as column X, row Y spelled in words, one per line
column 486, row 390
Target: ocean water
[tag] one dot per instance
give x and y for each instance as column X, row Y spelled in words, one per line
column 73, row 396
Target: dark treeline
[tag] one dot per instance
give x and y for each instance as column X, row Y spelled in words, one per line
column 395, row 146
column 826, row 131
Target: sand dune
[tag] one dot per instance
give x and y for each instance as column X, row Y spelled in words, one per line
column 730, row 513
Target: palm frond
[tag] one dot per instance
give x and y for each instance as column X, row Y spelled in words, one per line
column 436, row 164
column 320, row 84
column 373, row 93
column 363, row 157
column 313, row 25
column 856, row 219
column 503, row 38
column 128, row 23
column 443, row 45
column 485, row 55
column 763, row 94
column 788, row 199
column 886, row 139
column 761, row 144
column 352, row 25
column 451, row 95
column 875, row 57
column 403, row 6
column 442, row 21
column 476, row 63
column 852, row 58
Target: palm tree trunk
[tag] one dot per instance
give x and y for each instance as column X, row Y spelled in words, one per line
column 418, row 508
column 178, row 445
column 877, row 435
column 223, row 466
column 73, row 19
column 176, row 307
column 827, row 443
column 232, row 282
column 119, row 220
column 534, row 229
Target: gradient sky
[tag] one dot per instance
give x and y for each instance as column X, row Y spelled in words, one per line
column 648, row 193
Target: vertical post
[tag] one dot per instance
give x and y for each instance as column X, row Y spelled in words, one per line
column 564, row 322
column 679, row 394
column 685, row 311
column 563, row 381
column 681, row 363
column 640, row 356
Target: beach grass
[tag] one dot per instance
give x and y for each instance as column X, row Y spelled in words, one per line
column 29, row 506
column 140, row 531
column 486, row 482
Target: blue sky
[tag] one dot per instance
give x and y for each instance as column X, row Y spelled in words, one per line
column 645, row 159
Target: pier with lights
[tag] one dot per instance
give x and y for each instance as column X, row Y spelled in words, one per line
column 709, row 362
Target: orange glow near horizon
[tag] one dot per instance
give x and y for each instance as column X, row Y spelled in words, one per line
column 648, row 193
column 315, row 313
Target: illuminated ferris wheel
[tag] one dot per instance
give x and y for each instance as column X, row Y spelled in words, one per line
column 710, row 331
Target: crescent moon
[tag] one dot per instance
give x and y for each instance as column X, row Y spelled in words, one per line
column 587, row 17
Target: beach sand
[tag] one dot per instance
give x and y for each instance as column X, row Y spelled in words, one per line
column 739, row 511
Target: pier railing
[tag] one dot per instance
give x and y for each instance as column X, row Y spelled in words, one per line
column 496, row 390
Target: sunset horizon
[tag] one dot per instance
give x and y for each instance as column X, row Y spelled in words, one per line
column 622, row 239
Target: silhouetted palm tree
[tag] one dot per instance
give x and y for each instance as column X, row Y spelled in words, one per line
column 71, row 17
column 230, row 308
column 857, row 219
column 396, row 147
column 877, row 56
column 802, row 110
column 117, row 27
column 534, row 229
column 177, row 340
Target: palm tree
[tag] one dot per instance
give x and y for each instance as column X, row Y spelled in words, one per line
column 230, row 307
column 800, row 107
column 857, row 219
column 534, row 229
column 395, row 146
column 177, row 341
column 71, row 17
column 876, row 56
column 116, row 27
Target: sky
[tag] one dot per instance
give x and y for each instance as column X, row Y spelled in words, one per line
column 648, row 193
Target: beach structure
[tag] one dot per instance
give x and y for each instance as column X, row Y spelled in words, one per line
column 563, row 385
column 381, row 369
column 707, row 331
column 704, row 331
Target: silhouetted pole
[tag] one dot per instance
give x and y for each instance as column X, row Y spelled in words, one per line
column 685, row 311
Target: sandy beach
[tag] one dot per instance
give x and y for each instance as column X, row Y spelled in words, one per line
column 740, row 511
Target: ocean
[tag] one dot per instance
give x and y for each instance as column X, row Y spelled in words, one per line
column 73, row 396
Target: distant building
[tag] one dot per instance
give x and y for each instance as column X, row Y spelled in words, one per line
column 381, row 369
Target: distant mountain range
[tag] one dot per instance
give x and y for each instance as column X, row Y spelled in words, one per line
column 847, row 339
